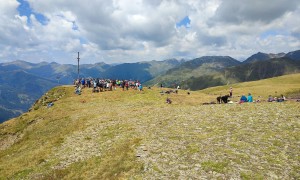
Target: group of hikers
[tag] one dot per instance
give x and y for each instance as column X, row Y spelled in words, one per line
column 100, row 85
column 276, row 99
column 249, row 98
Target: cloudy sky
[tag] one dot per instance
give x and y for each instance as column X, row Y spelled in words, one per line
column 115, row 31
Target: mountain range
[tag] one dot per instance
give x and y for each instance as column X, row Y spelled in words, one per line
column 263, row 56
column 18, row 91
column 209, row 71
column 22, row 83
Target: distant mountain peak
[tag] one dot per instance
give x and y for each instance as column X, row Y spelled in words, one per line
column 294, row 55
column 19, row 63
column 260, row 56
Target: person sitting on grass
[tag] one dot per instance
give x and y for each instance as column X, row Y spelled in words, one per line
column 243, row 99
column 281, row 99
column 78, row 90
column 250, row 98
column 168, row 101
column 270, row 99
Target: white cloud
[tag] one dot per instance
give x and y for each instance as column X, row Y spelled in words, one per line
column 138, row 30
column 253, row 10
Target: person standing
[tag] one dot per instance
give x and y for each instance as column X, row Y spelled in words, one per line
column 126, row 85
column 140, row 87
column 230, row 92
column 123, row 84
column 83, row 82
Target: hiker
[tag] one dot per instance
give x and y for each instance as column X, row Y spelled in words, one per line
column 249, row 98
column 76, row 83
column 137, row 85
column 88, row 82
column 110, row 86
column 127, row 85
column 243, row 99
column 270, row 99
column 281, row 99
column 123, row 84
column 83, row 82
column 168, row 101
column 140, row 87
column 99, row 85
column 78, row 90
column 114, row 84
column 95, row 85
column 230, row 92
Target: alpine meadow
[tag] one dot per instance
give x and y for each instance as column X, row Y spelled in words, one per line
column 137, row 135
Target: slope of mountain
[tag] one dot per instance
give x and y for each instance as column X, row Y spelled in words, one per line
column 294, row 55
column 206, row 68
column 142, row 71
column 262, row 69
column 160, row 67
column 262, row 57
column 253, row 71
column 136, row 135
column 19, row 90
column 206, row 72
column 64, row 73
column 16, row 65
column 134, row 71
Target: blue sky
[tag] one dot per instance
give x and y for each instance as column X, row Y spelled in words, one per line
column 144, row 30
column 25, row 10
column 274, row 32
column 185, row 22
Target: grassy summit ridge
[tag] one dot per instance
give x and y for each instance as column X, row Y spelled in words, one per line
column 131, row 134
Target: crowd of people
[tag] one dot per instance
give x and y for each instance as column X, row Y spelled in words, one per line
column 100, row 85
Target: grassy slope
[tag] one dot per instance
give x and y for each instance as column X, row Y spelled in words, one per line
column 115, row 135
column 178, row 76
column 273, row 86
